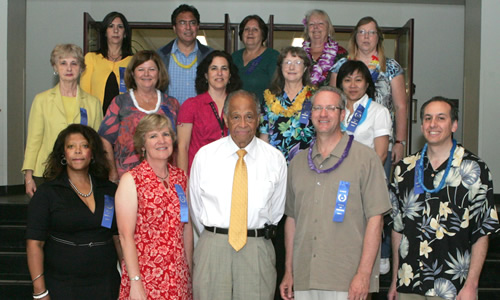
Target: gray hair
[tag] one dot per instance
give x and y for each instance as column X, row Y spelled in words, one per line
column 327, row 88
column 241, row 93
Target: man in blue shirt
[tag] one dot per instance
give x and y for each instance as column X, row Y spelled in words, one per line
column 182, row 55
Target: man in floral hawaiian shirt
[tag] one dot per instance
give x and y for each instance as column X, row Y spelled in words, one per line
column 443, row 212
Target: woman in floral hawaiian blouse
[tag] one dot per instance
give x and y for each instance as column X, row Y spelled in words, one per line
column 285, row 122
column 320, row 45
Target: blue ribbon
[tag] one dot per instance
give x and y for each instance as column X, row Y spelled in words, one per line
column 83, row 117
column 341, row 203
column 183, row 202
column 358, row 118
column 123, row 87
column 109, row 210
column 170, row 115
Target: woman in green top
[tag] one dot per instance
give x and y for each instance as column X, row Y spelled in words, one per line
column 256, row 63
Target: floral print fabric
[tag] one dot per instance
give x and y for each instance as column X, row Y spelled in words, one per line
column 287, row 134
column 439, row 229
column 159, row 236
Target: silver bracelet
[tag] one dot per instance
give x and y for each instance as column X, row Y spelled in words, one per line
column 41, row 295
column 135, row 278
column 37, row 277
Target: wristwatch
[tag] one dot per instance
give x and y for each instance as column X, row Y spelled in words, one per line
column 400, row 142
column 135, row 278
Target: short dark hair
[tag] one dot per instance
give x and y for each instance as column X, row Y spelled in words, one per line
column 453, row 107
column 352, row 66
column 278, row 83
column 138, row 59
column 262, row 25
column 225, row 109
column 127, row 37
column 98, row 168
column 185, row 8
column 201, row 82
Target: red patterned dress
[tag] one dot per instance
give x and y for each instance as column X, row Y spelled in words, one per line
column 159, row 236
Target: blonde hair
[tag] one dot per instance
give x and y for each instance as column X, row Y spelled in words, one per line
column 320, row 12
column 67, row 50
column 353, row 46
column 149, row 123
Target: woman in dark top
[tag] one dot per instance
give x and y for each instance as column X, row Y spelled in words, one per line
column 72, row 241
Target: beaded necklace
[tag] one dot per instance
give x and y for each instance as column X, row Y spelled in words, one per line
column 183, row 65
column 344, row 155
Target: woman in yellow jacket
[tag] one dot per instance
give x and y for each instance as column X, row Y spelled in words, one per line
column 53, row 110
column 104, row 76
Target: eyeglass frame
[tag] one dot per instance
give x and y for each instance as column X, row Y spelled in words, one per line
column 328, row 108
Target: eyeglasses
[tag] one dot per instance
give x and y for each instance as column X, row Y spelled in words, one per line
column 288, row 63
column 369, row 32
column 328, row 108
column 184, row 22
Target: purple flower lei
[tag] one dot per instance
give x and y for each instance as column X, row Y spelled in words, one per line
column 344, row 155
column 320, row 70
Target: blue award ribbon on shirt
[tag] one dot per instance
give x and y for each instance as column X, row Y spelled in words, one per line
column 170, row 115
column 341, row 204
column 109, row 211
column 123, row 87
column 83, row 116
column 183, row 203
column 305, row 113
column 358, row 118
column 417, row 187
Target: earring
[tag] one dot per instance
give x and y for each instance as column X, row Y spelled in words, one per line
column 144, row 153
column 63, row 160
column 55, row 73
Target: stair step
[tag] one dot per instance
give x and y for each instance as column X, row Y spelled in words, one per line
column 14, row 266
column 16, row 289
column 13, row 214
column 12, row 238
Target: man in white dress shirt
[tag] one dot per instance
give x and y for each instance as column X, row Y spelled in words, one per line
column 221, row 270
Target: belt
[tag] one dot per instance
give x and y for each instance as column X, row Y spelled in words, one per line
column 251, row 232
column 91, row 244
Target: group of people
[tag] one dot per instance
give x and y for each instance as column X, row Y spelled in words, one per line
column 278, row 161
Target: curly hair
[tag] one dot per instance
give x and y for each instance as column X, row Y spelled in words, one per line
column 98, row 168
column 67, row 50
column 278, row 83
column 201, row 82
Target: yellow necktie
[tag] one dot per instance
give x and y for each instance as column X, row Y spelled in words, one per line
column 239, row 204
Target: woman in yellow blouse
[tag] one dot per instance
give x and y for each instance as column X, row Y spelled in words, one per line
column 56, row 108
column 105, row 73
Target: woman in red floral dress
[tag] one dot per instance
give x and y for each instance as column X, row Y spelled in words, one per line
column 152, row 215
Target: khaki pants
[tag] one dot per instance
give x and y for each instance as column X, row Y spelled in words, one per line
column 320, row 295
column 219, row 272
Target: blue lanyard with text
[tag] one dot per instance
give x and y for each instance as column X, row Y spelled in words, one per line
column 358, row 117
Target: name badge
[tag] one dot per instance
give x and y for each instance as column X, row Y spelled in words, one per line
column 417, row 188
column 305, row 114
column 123, row 87
column 109, row 211
column 183, row 203
column 341, row 203
column 83, row 116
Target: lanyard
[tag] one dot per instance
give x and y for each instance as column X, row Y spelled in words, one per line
column 219, row 120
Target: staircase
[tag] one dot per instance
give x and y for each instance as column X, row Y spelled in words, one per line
column 15, row 280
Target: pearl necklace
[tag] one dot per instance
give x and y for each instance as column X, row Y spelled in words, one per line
column 80, row 193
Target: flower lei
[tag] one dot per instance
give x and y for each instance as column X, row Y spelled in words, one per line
column 310, row 161
column 275, row 106
column 374, row 67
column 320, row 70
